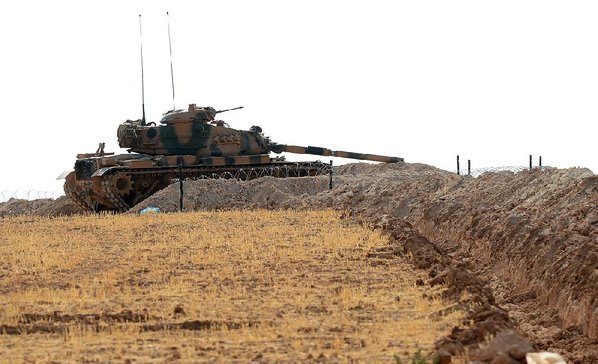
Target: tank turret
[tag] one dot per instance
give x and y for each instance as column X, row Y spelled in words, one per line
column 186, row 144
column 190, row 132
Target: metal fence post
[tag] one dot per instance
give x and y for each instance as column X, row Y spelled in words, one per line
column 540, row 161
column 330, row 180
column 530, row 162
column 469, row 167
column 180, row 160
column 458, row 172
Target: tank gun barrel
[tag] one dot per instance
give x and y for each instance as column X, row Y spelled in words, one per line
column 279, row 148
column 225, row 110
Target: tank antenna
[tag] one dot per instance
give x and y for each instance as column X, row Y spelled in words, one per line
column 171, row 73
column 142, row 83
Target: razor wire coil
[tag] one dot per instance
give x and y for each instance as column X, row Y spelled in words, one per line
column 6, row 195
column 476, row 172
column 289, row 170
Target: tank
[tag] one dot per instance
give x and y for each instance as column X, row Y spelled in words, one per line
column 189, row 143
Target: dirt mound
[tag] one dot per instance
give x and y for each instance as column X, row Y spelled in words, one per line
column 522, row 242
column 354, row 185
column 211, row 194
column 534, row 235
column 61, row 206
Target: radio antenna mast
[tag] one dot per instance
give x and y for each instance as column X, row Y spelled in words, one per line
column 171, row 72
column 142, row 84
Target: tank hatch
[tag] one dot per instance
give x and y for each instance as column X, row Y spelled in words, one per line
column 192, row 114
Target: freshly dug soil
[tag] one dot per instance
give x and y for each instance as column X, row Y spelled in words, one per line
column 535, row 236
column 523, row 246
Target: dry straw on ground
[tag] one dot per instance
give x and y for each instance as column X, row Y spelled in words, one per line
column 209, row 286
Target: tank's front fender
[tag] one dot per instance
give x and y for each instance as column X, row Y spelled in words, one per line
column 106, row 170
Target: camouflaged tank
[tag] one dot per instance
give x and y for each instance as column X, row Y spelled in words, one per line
column 185, row 144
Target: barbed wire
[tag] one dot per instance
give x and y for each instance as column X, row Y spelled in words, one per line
column 297, row 169
column 476, row 172
column 6, row 195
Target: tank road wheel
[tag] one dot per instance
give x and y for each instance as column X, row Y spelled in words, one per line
column 123, row 184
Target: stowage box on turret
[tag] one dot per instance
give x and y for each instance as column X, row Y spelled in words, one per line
column 186, row 144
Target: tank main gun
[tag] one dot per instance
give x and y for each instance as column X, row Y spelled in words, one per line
column 279, row 148
column 225, row 110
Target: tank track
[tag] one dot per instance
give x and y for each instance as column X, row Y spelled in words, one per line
column 76, row 198
column 120, row 204
column 109, row 192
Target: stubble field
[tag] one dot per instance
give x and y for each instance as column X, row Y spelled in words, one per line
column 285, row 286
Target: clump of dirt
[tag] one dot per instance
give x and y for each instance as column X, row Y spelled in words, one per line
column 62, row 206
column 523, row 246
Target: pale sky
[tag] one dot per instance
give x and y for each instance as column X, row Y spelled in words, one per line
column 424, row 80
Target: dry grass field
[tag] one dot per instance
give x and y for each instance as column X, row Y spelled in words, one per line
column 232, row 286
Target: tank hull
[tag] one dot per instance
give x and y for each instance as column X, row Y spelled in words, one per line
column 123, row 183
